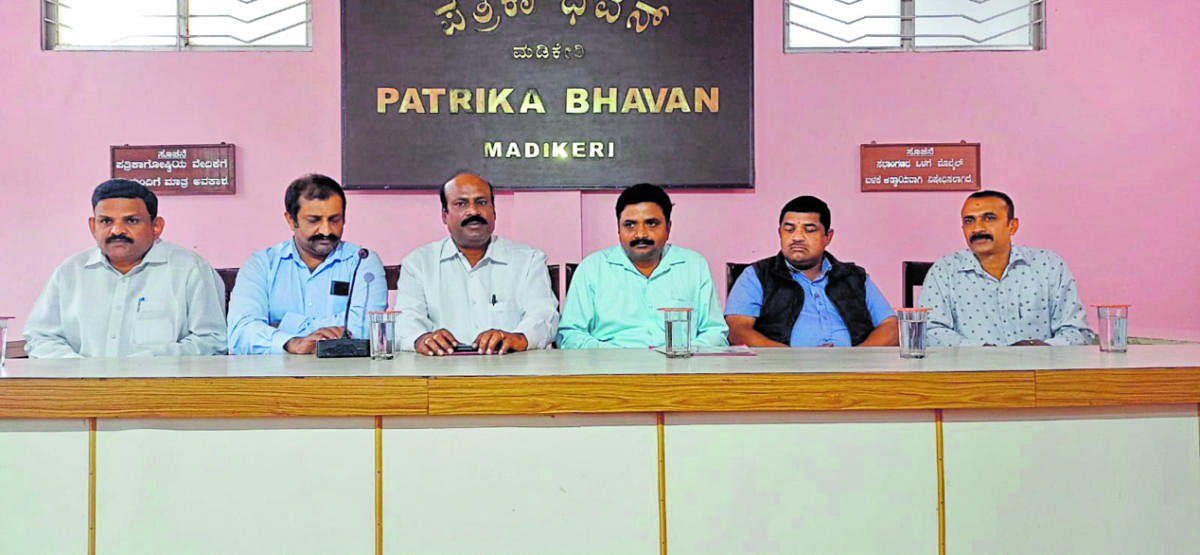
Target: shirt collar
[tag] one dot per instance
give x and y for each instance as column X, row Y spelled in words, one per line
column 617, row 257
column 340, row 253
column 155, row 255
column 825, row 266
column 970, row 263
column 496, row 252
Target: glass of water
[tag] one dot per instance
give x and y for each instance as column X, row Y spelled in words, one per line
column 383, row 332
column 1112, row 327
column 678, row 323
column 912, row 331
column 4, row 339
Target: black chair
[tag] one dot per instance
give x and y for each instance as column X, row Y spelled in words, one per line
column 568, row 273
column 914, row 276
column 229, row 276
column 392, row 276
column 554, row 271
column 732, row 271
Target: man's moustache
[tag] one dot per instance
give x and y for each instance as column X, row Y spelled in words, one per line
column 641, row 243
column 120, row 238
column 979, row 236
column 474, row 220
column 319, row 237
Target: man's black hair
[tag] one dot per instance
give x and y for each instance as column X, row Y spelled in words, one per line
column 442, row 189
column 808, row 204
column 645, row 192
column 126, row 188
column 996, row 194
column 313, row 186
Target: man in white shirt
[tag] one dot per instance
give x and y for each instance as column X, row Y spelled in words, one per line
column 474, row 286
column 132, row 294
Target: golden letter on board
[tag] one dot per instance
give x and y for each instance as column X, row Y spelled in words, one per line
column 577, row 100
column 385, row 96
column 532, row 102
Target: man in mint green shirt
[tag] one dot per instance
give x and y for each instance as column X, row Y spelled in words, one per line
column 616, row 294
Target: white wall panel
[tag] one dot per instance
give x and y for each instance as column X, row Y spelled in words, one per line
column 528, row 484
column 802, row 483
column 43, row 486
column 1094, row 480
column 236, row 486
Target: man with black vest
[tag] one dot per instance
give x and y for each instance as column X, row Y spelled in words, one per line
column 803, row 296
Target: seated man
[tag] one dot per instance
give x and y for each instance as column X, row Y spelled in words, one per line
column 1000, row 294
column 130, row 295
column 289, row 296
column 616, row 294
column 803, row 296
column 474, row 286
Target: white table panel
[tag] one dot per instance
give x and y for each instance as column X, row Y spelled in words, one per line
column 1088, row 480
column 802, row 483
column 526, row 484
column 43, row 486
column 236, row 486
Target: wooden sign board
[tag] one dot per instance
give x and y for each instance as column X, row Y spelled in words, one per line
column 920, row 167
column 177, row 169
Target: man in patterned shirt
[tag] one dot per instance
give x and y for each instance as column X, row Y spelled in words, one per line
column 1000, row 294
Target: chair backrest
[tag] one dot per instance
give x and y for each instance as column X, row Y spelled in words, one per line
column 914, row 276
column 732, row 271
column 392, row 274
column 568, row 273
column 554, row 271
column 229, row 276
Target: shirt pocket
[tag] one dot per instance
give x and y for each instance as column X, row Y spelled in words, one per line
column 503, row 316
column 153, row 328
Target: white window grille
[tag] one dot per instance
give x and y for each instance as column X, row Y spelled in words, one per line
column 863, row 25
column 176, row 24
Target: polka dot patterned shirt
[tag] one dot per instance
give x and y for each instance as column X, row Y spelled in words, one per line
column 1035, row 298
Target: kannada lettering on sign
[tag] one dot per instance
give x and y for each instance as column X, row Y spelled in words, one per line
column 920, row 167
column 558, row 94
column 178, row 169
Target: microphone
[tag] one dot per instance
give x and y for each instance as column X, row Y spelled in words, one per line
column 346, row 346
column 367, row 279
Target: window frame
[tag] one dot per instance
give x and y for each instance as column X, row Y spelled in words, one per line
column 908, row 17
column 49, row 24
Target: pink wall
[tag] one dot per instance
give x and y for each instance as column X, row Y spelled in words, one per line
column 1090, row 136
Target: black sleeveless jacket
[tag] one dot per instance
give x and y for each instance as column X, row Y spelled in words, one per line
column 783, row 299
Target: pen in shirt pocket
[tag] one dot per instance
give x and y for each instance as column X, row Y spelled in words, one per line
column 140, row 301
column 493, row 299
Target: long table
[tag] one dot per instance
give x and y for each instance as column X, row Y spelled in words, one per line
column 1031, row 449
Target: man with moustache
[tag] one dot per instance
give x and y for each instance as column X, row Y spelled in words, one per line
column 289, row 296
column 803, row 296
column 999, row 294
column 131, row 295
column 616, row 294
column 473, row 285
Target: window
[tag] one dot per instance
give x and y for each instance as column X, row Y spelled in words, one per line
column 176, row 24
column 861, row 25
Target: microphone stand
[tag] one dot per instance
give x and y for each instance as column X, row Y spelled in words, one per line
column 346, row 346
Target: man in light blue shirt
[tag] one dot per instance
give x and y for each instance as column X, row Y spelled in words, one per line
column 616, row 293
column 1000, row 294
column 289, row 296
column 803, row 296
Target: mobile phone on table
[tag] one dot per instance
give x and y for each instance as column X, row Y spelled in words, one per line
column 464, row 348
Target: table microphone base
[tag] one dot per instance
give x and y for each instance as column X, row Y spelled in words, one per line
column 343, row 347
